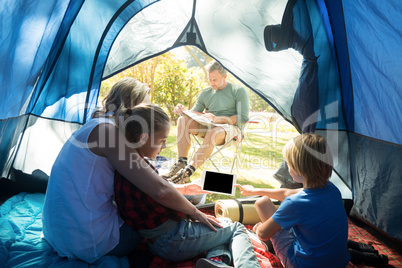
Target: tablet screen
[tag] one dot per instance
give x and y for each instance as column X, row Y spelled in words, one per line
column 218, row 182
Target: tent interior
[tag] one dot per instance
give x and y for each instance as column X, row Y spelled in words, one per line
column 329, row 67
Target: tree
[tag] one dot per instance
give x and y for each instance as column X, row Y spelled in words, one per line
column 169, row 79
column 198, row 59
column 176, row 84
column 145, row 72
column 177, row 78
column 257, row 103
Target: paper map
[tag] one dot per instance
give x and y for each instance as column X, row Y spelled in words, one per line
column 201, row 119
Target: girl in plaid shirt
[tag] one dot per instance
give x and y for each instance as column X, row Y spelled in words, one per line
column 172, row 235
column 80, row 220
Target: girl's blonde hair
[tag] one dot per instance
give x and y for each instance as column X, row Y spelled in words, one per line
column 143, row 118
column 125, row 93
column 309, row 156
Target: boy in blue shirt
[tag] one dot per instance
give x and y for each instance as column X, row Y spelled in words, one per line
column 310, row 228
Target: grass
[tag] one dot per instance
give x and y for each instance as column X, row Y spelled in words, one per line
column 261, row 156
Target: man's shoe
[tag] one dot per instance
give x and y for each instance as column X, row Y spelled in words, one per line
column 174, row 169
column 205, row 263
column 182, row 177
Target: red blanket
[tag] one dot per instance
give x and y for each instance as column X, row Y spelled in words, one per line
column 361, row 235
column 268, row 260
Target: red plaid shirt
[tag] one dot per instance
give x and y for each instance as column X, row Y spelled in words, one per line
column 136, row 208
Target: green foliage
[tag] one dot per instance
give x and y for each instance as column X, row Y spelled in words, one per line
column 105, row 87
column 257, row 103
column 175, row 84
column 172, row 81
column 144, row 72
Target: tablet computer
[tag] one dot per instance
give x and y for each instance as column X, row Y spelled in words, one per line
column 218, row 182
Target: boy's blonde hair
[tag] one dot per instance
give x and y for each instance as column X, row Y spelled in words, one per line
column 125, row 93
column 309, row 156
column 213, row 66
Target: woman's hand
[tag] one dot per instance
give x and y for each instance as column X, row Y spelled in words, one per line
column 246, row 189
column 208, row 220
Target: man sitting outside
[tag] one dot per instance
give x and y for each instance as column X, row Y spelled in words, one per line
column 223, row 103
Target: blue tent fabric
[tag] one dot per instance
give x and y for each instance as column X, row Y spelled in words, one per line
column 335, row 28
column 377, row 191
column 342, row 79
column 21, row 243
column 295, row 32
column 26, row 41
column 375, row 62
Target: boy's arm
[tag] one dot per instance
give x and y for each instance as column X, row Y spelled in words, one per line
column 278, row 194
column 267, row 229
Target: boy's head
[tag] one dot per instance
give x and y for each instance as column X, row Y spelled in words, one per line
column 309, row 156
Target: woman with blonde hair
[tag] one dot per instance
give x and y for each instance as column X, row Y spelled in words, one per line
column 125, row 93
column 80, row 219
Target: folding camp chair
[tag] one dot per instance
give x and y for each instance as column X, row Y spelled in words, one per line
column 230, row 159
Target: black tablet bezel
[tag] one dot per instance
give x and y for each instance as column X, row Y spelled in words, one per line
column 204, row 179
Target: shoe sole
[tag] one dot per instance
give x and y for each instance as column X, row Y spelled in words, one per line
column 172, row 173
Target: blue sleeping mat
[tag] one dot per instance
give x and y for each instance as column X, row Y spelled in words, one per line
column 21, row 241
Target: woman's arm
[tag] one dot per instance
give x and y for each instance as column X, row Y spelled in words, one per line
column 278, row 194
column 129, row 164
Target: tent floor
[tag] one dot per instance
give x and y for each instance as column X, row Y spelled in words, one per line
column 358, row 231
